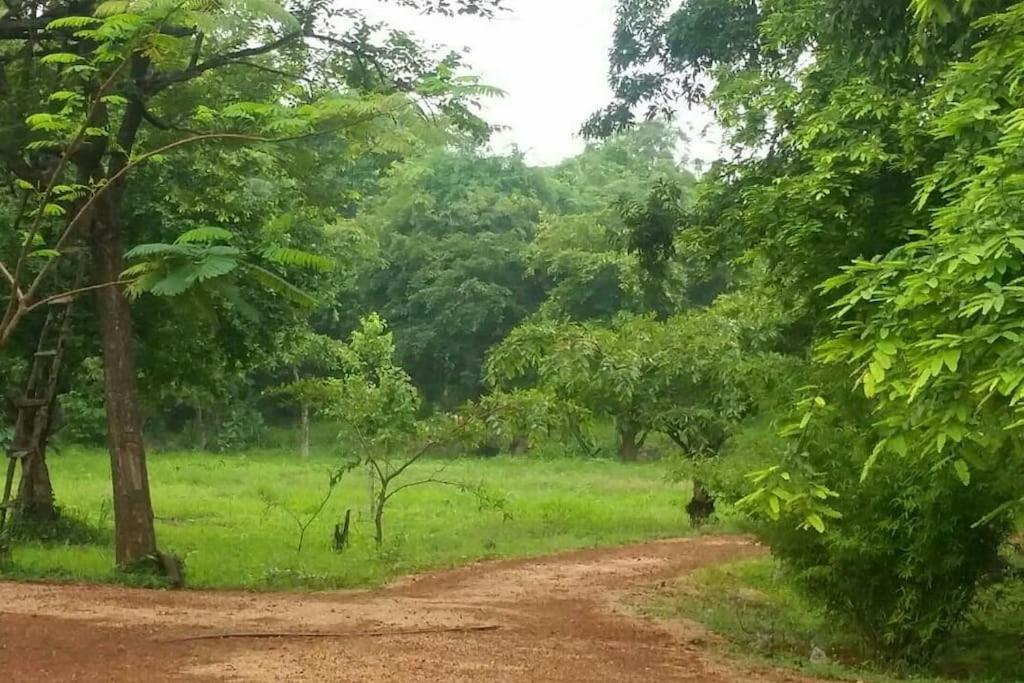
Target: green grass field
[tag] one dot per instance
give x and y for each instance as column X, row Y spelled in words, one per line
column 231, row 517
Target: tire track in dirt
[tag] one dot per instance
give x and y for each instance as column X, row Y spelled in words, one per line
column 559, row 618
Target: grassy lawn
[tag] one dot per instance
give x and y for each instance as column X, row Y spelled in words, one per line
column 231, row 517
column 760, row 615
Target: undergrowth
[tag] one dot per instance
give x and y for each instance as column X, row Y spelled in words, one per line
column 758, row 612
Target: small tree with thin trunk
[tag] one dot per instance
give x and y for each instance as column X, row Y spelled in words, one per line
column 379, row 407
column 308, row 362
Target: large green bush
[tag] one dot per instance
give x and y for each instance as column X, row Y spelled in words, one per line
column 896, row 553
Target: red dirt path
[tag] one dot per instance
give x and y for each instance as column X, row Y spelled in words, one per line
column 558, row 618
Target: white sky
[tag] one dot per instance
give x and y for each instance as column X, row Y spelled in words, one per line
column 551, row 59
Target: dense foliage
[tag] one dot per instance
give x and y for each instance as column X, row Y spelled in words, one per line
column 875, row 180
column 260, row 215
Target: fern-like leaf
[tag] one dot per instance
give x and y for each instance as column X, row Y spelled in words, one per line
column 205, row 235
column 286, row 256
column 174, row 283
column 158, row 249
column 276, row 283
column 212, row 267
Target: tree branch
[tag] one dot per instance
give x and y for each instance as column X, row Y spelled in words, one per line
column 75, row 292
column 158, row 83
column 15, row 289
column 423, row 482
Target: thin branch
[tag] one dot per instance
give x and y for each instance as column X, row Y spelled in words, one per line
column 75, row 292
column 324, row 634
column 15, row 289
column 195, row 70
column 423, row 482
column 428, row 446
column 276, row 72
column 160, row 124
column 196, row 50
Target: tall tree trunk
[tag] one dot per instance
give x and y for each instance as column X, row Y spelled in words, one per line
column 629, row 443
column 203, row 435
column 35, row 420
column 134, row 531
column 304, row 429
column 520, row 444
column 35, row 491
column 133, row 511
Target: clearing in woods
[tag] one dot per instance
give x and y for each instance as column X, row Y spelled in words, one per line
column 557, row 618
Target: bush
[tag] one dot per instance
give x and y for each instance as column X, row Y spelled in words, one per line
column 902, row 566
column 903, row 562
column 240, row 428
column 85, row 419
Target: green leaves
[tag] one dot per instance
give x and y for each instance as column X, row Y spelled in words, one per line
column 782, row 495
column 963, row 472
column 196, row 258
column 277, row 284
column 286, row 256
column 61, row 58
column 205, row 235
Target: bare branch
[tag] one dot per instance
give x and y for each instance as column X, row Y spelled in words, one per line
column 15, row 290
column 323, row 634
column 75, row 292
column 462, row 486
column 158, row 83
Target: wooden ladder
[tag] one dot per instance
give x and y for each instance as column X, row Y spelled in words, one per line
column 32, row 426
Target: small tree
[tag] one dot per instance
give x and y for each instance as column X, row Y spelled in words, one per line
column 380, row 407
column 308, row 360
column 607, row 372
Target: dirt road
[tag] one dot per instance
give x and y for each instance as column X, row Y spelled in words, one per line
column 559, row 618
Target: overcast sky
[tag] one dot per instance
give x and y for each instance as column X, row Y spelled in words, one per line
column 549, row 56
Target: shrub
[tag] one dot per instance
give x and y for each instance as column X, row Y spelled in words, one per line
column 902, row 566
column 901, row 557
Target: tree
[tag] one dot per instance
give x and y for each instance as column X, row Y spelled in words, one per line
column 309, row 361
column 118, row 66
column 379, row 406
column 884, row 154
column 690, row 377
column 453, row 229
column 585, row 247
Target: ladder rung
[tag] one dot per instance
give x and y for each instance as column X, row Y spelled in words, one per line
column 45, row 354
column 17, row 454
column 31, row 403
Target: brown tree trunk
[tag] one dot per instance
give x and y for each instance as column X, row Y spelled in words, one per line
column 133, row 511
column 701, row 505
column 35, row 420
column 629, row 443
column 35, row 491
column 204, row 437
column 520, row 444
column 304, row 429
